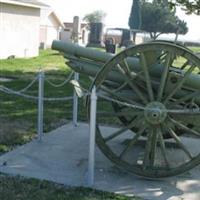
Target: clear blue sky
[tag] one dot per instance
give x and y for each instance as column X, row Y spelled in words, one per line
column 118, row 12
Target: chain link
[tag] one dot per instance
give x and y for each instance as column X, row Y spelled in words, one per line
column 57, row 98
column 10, row 91
column 61, row 84
column 120, row 102
column 28, row 86
column 173, row 111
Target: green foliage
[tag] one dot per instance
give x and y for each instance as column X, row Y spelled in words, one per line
column 157, row 19
column 182, row 27
column 95, row 17
column 189, row 6
column 135, row 16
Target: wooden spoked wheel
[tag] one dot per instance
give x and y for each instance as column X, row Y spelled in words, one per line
column 156, row 103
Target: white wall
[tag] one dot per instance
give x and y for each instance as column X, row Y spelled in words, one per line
column 65, row 36
column 49, row 28
column 19, row 31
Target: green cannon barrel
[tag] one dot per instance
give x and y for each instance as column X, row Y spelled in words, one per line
column 77, row 50
column 89, row 61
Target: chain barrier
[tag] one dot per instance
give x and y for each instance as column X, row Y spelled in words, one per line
column 88, row 93
column 29, row 85
column 40, row 98
column 173, row 111
column 10, row 91
column 61, row 84
column 21, row 92
column 57, row 99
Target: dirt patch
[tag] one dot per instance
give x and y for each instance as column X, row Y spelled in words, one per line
column 11, row 132
column 56, row 124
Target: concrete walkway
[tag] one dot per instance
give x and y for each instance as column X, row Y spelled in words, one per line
column 62, row 157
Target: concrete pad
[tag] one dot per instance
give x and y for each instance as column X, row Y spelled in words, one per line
column 62, row 157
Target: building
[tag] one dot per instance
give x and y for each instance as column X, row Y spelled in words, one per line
column 19, row 28
column 50, row 27
column 67, row 33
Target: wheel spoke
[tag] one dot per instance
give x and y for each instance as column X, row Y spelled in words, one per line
column 163, row 148
column 150, row 148
column 118, row 114
column 120, row 87
column 144, row 66
column 122, row 130
column 119, row 97
column 164, row 77
column 179, row 85
column 178, row 141
column 147, row 151
column 125, row 64
column 130, row 83
column 133, row 74
column 180, row 125
column 128, row 111
column 132, row 142
column 153, row 147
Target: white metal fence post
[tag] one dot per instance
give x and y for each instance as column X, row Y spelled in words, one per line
column 91, row 161
column 40, row 104
column 75, row 103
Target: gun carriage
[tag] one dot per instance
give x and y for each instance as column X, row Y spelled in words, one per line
column 154, row 91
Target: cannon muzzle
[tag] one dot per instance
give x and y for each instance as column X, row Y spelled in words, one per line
column 82, row 52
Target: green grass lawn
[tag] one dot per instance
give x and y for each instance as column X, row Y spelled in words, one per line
column 17, row 188
column 195, row 49
column 48, row 60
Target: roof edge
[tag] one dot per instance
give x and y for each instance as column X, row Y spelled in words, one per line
column 59, row 21
column 23, row 4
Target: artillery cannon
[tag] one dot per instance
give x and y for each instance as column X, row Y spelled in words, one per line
column 154, row 92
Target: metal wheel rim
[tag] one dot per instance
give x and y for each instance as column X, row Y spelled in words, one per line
column 151, row 173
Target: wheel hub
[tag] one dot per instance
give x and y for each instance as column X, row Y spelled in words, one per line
column 155, row 113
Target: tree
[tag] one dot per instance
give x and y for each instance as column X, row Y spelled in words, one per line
column 190, row 6
column 95, row 17
column 158, row 19
column 135, row 16
column 182, row 28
